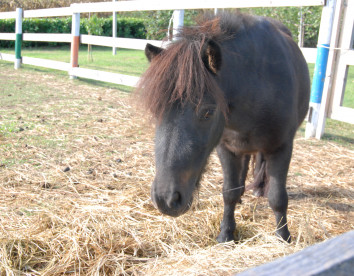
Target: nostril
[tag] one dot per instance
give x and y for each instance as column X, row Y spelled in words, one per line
column 174, row 200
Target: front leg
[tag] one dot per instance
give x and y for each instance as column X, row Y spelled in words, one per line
column 235, row 171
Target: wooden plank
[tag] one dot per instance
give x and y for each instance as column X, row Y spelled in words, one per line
column 333, row 257
column 309, row 54
column 348, row 21
column 55, row 12
column 345, row 58
column 341, row 79
column 184, row 5
column 47, row 63
column 7, row 15
column 129, row 43
column 343, row 114
column 348, row 56
column 47, row 37
column 7, row 36
column 103, row 76
column 7, row 57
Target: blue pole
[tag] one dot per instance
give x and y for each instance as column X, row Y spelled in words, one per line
column 319, row 73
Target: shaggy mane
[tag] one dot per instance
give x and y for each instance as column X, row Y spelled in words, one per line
column 178, row 74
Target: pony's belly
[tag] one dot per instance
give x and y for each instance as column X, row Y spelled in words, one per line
column 248, row 143
column 238, row 143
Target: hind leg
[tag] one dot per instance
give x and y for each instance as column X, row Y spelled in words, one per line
column 277, row 170
column 234, row 170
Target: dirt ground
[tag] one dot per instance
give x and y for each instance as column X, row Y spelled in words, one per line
column 76, row 164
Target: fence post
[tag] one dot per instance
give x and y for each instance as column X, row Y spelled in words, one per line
column 18, row 42
column 319, row 75
column 75, row 32
column 178, row 18
column 114, row 30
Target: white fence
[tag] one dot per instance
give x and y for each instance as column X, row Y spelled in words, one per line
column 75, row 9
column 138, row 44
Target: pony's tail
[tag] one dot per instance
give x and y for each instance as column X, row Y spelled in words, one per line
column 260, row 185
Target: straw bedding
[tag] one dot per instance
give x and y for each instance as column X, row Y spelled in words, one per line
column 75, row 199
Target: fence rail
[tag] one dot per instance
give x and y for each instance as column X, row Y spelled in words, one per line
column 185, row 5
column 7, row 57
column 7, row 15
column 104, row 76
column 129, row 43
column 7, row 36
column 309, row 54
column 47, row 37
column 52, row 64
column 333, row 257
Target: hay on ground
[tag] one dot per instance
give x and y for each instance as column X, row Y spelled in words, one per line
column 75, row 193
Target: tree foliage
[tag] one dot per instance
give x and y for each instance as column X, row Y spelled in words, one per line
column 94, row 25
column 156, row 22
column 290, row 17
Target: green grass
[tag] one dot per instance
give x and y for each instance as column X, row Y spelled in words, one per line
column 38, row 110
column 348, row 100
column 128, row 62
column 335, row 131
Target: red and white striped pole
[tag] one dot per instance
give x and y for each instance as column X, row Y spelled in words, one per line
column 75, row 31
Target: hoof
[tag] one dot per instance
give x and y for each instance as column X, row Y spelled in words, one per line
column 225, row 237
column 285, row 235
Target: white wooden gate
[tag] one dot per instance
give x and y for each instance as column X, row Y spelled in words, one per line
column 345, row 58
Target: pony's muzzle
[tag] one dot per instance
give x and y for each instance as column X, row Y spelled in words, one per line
column 174, row 200
column 170, row 203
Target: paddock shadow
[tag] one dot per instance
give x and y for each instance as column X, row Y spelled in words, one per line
column 341, row 207
column 320, row 193
column 122, row 88
column 329, row 198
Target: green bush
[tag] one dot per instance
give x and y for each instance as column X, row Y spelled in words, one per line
column 127, row 27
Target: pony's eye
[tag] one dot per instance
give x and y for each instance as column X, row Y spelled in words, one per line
column 207, row 114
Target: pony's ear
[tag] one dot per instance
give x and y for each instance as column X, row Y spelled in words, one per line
column 211, row 56
column 152, row 51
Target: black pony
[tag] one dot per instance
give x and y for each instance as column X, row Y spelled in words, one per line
column 235, row 82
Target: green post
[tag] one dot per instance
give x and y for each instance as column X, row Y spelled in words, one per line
column 18, row 42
